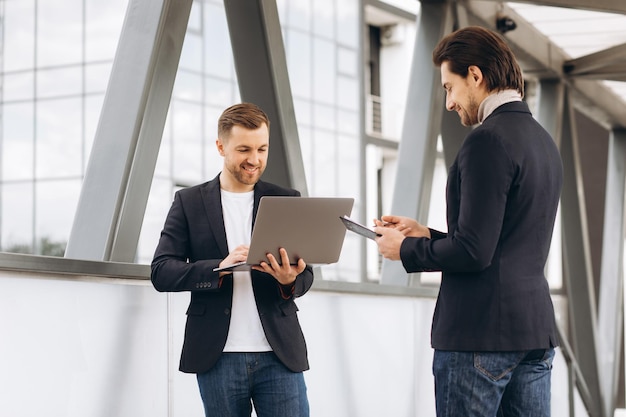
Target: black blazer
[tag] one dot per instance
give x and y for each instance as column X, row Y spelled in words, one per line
column 502, row 196
column 192, row 243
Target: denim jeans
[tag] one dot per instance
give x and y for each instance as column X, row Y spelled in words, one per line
column 493, row 384
column 239, row 380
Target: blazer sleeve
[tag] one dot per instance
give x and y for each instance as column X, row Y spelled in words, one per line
column 172, row 269
column 478, row 187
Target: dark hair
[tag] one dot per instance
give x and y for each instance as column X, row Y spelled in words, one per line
column 485, row 49
column 246, row 115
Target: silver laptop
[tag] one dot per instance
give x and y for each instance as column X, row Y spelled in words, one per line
column 307, row 227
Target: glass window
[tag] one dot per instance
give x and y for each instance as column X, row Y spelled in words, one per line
column 306, row 148
column 218, row 53
column 93, row 108
column 323, row 117
column 324, row 71
column 55, row 203
column 18, row 86
column 97, row 77
column 188, row 86
column 348, row 122
column 324, row 165
column 323, row 18
column 349, row 170
column 187, row 143
column 159, row 203
column 219, row 92
column 103, row 26
column 348, row 22
column 348, row 96
column 195, row 18
column 299, row 14
column 347, row 62
column 164, row 159
column 302, row 108
column 298, row 51
column 59, row 138
column 59, row 82
column 59, row 32
column 16, row 216
column 191, row 54
column 17, row 141
column 18, row 43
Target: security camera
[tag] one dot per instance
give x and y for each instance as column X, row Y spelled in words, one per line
column 505, row 24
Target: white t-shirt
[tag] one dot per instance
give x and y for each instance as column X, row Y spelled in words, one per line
column 246, row 332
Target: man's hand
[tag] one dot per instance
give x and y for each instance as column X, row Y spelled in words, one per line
column 239, row 254
column 284, row 273
column 393, row 230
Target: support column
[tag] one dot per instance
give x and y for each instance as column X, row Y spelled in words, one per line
column 578, row 276
column 261, row 67
column 611, row 301
column 121, row 165
column 422, row 124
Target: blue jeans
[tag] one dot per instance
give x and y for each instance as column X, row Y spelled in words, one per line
column 493, row 384
column 239, row 380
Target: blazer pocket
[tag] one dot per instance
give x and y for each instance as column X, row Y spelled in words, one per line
column 289, row 309
column 196, row 309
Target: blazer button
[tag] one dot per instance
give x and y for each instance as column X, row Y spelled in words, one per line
column 227, row 311
column 208, row 285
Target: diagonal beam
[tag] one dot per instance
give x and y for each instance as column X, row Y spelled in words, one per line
column 610, row 306
column 121, row 165
column 422, row 124
column 614, row 57
column 261, row 66
column 611, row 6
column 578, row 276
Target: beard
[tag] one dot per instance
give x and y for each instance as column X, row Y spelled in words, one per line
column 244, row 177
column 469, row 115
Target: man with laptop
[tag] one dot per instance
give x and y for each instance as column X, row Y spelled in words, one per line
column 242, row 338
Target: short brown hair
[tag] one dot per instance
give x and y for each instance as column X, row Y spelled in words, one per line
column 246, row 115
column 474, row 45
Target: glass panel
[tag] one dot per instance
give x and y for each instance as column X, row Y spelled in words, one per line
column 218, row 53
column 348, row 22
column 348, row 93
column 159, row 203
column 349, row 170
column 103, row 25
column 324, row 71
column 164, row 159
column 19, row 35
column 187, row 151
column 16, row 216
column 188, row 86
column 97, row 77
column 303, row 112
column 348, row 122
column 299, row 14
column 59, row 82
column 59, row 138
column 324, row 117
column 219, row 93
column 191, row 54
column 298, row 50
column 56, row 203
column 324, row 165
column 347, row 62
column 17, row 141
column 195, row 18
column 59, row 32
column 18, row 86
column 93, row 107
column 323, row 18
column 213, row 161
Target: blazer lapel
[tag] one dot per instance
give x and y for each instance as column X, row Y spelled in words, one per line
column 212, row 200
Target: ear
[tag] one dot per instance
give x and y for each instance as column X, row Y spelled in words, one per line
column 220, row 146
column 475, row 74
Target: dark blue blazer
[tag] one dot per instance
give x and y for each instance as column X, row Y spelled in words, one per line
column 192, row 243
column 502, row 196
